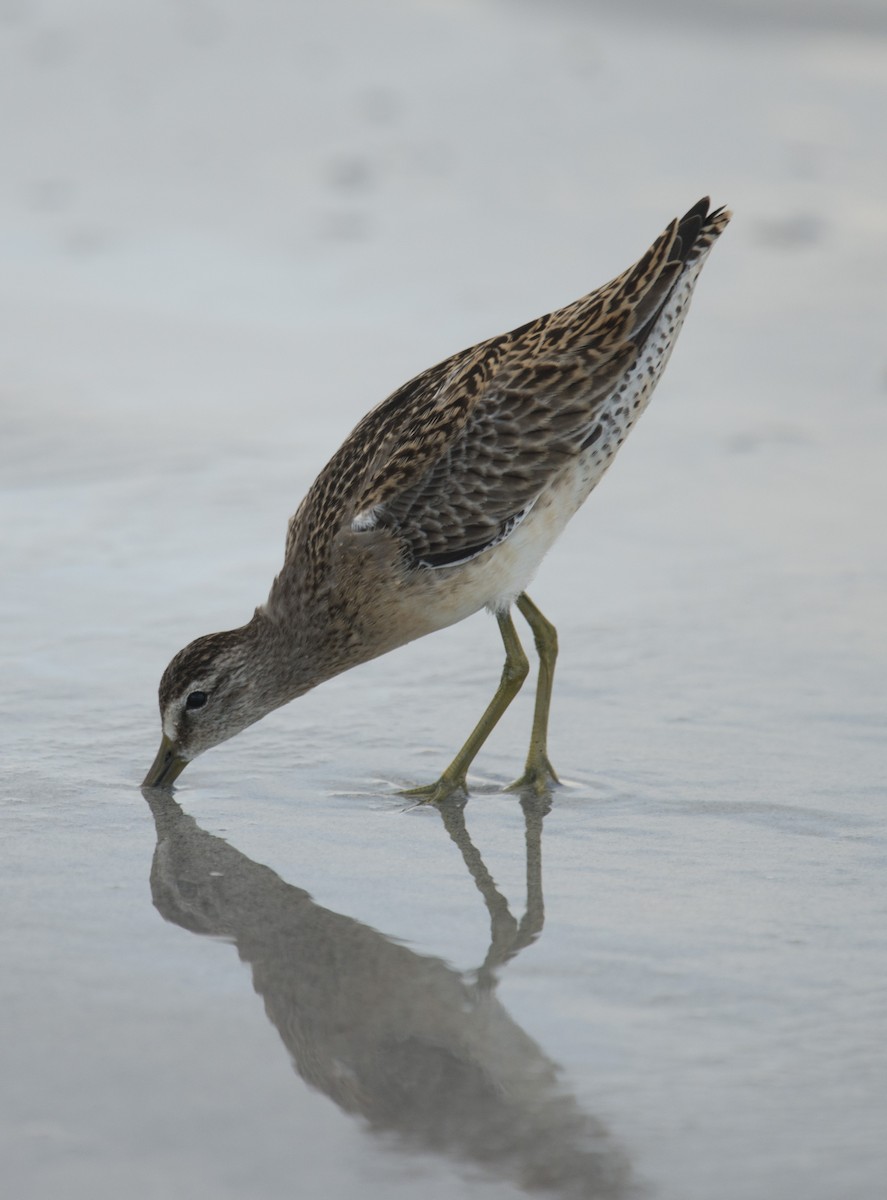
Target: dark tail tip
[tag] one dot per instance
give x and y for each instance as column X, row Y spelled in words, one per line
column 692, row 223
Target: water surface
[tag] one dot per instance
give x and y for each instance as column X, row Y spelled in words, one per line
column 223, row 238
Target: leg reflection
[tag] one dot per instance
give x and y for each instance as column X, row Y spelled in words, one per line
column 507, row 935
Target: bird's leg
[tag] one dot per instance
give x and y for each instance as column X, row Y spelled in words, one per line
column 513, row 674
column 539, row 776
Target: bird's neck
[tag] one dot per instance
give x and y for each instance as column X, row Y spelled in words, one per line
column 299, row 649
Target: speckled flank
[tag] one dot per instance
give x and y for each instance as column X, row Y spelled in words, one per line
column 455, row 456
column 469, row 472
column 446, row 497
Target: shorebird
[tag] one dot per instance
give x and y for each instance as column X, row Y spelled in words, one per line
column 443, row 501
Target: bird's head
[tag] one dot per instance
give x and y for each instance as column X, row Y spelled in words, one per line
column 214, row 688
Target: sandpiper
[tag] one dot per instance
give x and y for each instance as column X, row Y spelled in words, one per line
column 443, row 501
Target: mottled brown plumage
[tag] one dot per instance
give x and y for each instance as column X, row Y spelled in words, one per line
column 443, row 500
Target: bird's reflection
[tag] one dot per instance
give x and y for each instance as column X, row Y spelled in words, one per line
column 402, row 1039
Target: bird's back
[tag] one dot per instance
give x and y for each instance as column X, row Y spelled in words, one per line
column 453, row 457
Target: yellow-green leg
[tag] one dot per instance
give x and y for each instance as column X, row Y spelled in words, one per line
column 513, row 675
column 539, row 776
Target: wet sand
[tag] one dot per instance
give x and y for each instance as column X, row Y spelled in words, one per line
column 222, row 239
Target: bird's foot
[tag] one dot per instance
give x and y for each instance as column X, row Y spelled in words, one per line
column 446, row 789
column 539, row 778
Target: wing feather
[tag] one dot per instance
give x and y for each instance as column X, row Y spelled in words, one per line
column 452, row 461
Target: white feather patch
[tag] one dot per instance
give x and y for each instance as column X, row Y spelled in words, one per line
column 366, row 520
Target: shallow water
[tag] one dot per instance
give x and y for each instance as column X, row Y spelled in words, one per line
column 286, row 981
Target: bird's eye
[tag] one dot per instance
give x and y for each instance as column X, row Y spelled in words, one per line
column 196, row 700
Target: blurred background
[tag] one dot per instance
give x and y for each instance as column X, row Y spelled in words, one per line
column 356, row 189
column 227, row 230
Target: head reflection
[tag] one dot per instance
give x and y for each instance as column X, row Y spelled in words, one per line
column 413, row 1046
